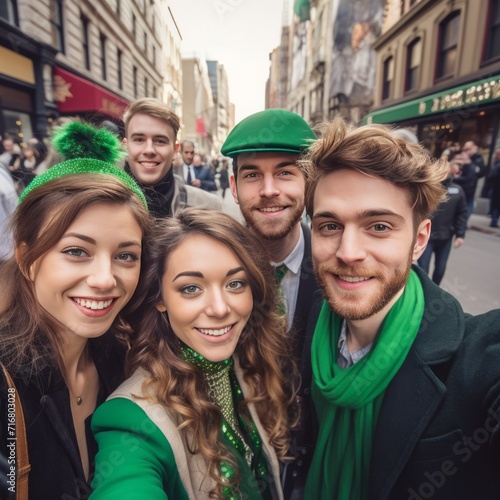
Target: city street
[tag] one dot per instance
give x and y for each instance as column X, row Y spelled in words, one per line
column 473, row 273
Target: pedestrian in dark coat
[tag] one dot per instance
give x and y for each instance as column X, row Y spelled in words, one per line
column 449, row 221
column 494, row 184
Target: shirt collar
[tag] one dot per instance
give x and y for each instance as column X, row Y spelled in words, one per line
column 294, row 259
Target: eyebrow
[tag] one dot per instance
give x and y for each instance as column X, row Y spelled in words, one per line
column 362, row 215
column 90, row 240
column 197, row 274
column 142, row 134
column 282, row 164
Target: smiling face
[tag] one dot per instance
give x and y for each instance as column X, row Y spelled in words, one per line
column 270, row 192
column 206, row 295
column 151, row 147
column 92, row 272
column 363, row 242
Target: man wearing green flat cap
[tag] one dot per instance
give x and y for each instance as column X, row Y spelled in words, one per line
column 269, row 186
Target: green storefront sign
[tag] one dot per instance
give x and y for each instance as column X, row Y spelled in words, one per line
column 472, row 94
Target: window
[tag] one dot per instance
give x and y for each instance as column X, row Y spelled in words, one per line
column 134, row 75
column 118, row 8
column 85, row 42
column 448, row 45
column 8, row 11
column 134, row 26
column 388, row 76
column 103, row 57
column 493, row 43
column 56, row 21
column 146, row 85
column 154, row 56
column 413, row 59
column 145, row 43
column 119, row 56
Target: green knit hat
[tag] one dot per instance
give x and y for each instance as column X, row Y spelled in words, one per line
column 86, row 149
column 271, row 130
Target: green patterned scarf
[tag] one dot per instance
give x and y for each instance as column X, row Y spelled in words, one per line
column 348, row 401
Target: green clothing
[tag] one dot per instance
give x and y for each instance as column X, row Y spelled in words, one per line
column 348, row 400
column 140, row 444
column 135, row 460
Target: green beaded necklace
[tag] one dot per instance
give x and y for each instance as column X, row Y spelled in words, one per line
column 239, row 432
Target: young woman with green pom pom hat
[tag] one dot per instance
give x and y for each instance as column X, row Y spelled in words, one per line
column 78, row 231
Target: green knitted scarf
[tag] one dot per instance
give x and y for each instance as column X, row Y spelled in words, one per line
column 348, row 401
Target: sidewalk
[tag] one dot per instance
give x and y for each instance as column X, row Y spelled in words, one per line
column 482, row 223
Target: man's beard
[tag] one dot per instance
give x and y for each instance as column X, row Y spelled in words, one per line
column 273, row 229
column 347, row 304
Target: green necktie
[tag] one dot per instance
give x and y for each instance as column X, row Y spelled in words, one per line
column 279, row 272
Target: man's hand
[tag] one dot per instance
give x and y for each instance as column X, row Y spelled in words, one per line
column 458, row 242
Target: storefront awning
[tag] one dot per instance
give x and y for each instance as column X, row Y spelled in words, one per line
column 74, row 94
column 471, row 95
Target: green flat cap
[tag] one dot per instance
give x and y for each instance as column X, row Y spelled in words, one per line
column 269, row 130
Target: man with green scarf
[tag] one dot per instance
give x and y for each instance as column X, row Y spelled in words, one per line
column 405, row 385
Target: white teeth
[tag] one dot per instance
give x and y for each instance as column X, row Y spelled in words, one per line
column 215, row 333
column 148, row 164
column 271, row 209
column 93, row 304
column 353, row 279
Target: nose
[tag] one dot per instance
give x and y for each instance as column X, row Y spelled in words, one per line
column 149, row 147
column 217, row 306
column 351, row 248
column 269, row 188
column 101, row 275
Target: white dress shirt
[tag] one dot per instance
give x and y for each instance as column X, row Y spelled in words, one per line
column 291, row 280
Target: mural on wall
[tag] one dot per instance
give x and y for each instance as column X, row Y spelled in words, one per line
column 357, row 25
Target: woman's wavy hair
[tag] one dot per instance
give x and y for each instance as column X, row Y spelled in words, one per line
column 263, row 349
column 375, row 150
column 30, row 338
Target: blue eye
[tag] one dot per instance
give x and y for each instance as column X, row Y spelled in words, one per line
column 190, row 289
column 75, row 252
column 128, row 257
column 236, row 284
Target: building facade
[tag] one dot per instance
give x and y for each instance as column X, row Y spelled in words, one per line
column 438, row 72
column 82, row 58
column 330, row 59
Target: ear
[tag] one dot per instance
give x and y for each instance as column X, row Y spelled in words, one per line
column 176, row 147
column 234, row 191
column 124, row 141
column 161, row 306
column 421, row 239
column 18, row 254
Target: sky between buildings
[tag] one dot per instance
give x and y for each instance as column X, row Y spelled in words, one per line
column 239, row 34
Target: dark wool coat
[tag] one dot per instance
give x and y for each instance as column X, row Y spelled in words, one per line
column 438, row 431
column 56, row 468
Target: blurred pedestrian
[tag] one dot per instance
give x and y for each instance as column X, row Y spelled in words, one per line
column 494, row 184
column 224, row 176
column 467, row 178
column 8, row 202
column 449, row 221
column 204, row 176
